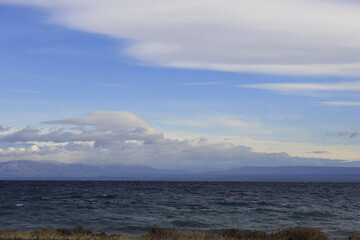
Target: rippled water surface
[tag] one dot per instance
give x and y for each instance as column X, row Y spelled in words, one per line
column 134, row 207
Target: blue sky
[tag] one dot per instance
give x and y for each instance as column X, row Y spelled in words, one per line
column 245, row 83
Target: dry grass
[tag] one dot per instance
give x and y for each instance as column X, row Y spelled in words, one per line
column 79, row 233
column 354, row 237
column 236, row 234
column 299, row 233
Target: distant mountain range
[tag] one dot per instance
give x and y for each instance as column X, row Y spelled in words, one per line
column 33, row 170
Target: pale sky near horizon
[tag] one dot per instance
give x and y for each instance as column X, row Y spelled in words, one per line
column 180, row 84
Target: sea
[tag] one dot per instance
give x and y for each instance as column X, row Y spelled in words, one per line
column 132, row 208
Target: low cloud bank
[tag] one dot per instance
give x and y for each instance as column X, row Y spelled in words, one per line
column 122, row 137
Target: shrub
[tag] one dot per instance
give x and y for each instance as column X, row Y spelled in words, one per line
column 353, row 237
column 299, row 233
column 248, row 235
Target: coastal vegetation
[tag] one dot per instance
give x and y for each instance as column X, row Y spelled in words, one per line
column 79, row 233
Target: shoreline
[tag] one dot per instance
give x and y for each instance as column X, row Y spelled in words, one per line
column 156, row 233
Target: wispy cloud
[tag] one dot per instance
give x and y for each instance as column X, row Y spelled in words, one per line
column 318, row 152
column 203, row 83
column 215, row 122
column 300, row 88
column 117, row 85
column 57, row 51
column 346, row 134
column 261, row 36
column 24, row 102
column 29, row 91
column 341, row 103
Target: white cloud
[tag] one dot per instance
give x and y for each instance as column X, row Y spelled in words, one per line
column 122, row 137
column 219, row 121
column 102, row 127
column 304, row 88
column 301, row 37
column 278, row 69
column 329, row 89
column 114, row 120
column 19, row 151
column 289, row 87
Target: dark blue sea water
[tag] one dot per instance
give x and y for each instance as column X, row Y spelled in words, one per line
column 133, row 207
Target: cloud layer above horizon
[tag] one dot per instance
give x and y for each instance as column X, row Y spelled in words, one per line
column 122, row 137
column 289, row 37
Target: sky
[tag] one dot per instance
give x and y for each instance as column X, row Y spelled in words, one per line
column 181, row 84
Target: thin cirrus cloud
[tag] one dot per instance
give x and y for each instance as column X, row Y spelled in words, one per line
column 304, row 88
column 203, row 83
column 346, row 134
column 296, row 37
column 29, row 91
column 218, row 122
column 341, row 103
